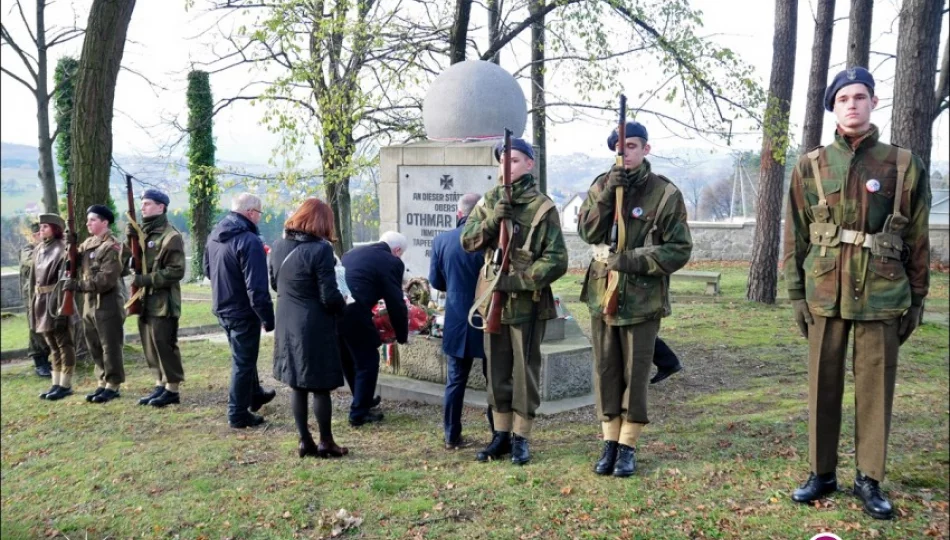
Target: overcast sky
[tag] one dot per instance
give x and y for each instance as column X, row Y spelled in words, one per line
column 162, row 46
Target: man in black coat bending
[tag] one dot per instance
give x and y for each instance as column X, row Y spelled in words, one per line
column 373, row 272
column 236, row 264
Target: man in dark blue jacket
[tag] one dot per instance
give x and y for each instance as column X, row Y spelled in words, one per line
column 455, row 271
column 236, row 264
column 373, row 272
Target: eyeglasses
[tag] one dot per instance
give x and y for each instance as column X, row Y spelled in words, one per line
column 255, row 210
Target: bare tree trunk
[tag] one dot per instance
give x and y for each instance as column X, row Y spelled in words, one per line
column 47, row 174
column 942, row 95
column 763, row 272
column 818, row 76
column 859, row 33
column 494, row 26
column 459, row 35
column 918, row 40
column 102, row 52
column 336, row 163
column 538, row 114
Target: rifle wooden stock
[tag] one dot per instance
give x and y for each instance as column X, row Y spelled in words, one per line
column 495, row 306
column 135, row 308
column 611, row 298
column 68, row 307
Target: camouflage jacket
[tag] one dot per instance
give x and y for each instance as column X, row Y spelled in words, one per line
column 643, row 296
column 49, row 263
column 100, row 278
column 862, row 277
column 541, row 264
column 164, row 267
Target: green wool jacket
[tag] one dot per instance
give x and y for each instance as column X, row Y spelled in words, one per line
column 852, row 281
column 548, row 257
column 163, row 267
column 645, row 295
column 101, row 275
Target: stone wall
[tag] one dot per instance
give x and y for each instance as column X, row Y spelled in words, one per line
column 10, row 295
column 733, row 242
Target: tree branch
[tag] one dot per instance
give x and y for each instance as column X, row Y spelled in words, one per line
column 26, row 24
column 17, row 78
column 7, row 38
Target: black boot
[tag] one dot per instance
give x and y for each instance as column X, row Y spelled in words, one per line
column 816, row 487
column 159, row 390
column 41, row 367
column 106, row 396
column 519, row 450
column 626, row 461
column 90, row 396
column 59, row 393
column 869, row 491
column 261, row 399
column 51, row 390
column 167, row 398
column 605, row 465
column 500, row 445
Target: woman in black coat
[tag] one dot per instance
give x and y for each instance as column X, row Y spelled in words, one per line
column 306, row 353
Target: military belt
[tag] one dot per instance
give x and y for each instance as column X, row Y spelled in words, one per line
column 857, row 238
column 45, row 289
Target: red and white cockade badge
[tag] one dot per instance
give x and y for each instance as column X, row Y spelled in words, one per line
column 637, row 212
column 873, row 186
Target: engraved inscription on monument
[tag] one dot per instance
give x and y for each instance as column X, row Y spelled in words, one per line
column 428, row 198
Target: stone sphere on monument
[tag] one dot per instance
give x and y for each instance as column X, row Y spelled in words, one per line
column 474, row 99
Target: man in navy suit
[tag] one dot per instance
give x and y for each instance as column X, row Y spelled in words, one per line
column 373, row 272
column 455, row 271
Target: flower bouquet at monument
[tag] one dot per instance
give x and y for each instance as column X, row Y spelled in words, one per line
column 418, row 320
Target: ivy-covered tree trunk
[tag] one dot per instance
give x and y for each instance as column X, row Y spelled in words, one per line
column 202, row 182
column 918, row 40
column 91, row 148
column 763, row 272
column 859, row 33
column 818, row 76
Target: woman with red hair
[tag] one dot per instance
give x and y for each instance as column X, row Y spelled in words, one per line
column 306, row 354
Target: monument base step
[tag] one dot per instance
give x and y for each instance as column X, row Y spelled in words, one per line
column 397, row 388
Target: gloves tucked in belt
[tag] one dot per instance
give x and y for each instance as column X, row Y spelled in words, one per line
column 802, row 316
column 628, row 262
column 909, row 322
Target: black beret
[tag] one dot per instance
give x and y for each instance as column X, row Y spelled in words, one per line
column 632, row 129
column 516, row 144
column 156, row 195
column 102, row 211
column 853, row 75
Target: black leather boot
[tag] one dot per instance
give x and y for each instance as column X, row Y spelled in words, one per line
column 626, row 462
column 59, row 393
column 51, row 390
column 106, row 396
column 259, row 400
column 608, row 458
column 159, row 390
column 41, row 367
column 167, row 398
column 500, row 445
column 90, row 396
column 816, row 487
column 869, row 491
column 520, row 455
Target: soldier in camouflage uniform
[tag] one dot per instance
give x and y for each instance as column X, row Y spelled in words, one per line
column 857, row 256
column 163, row 267
column 653, row 242
column 103, row 303
column 538, row 258
column 38, row 350
column 49, row 263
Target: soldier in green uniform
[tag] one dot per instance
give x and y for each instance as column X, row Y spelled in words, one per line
column 38, row 350
column 103, row 307
column 538, row 258
column 49, row 264
column 857, row 257
column 653, row 242
column 163, row 269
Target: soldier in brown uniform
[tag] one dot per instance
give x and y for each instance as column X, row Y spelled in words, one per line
column 857, row 257
column 38, row 350
column 163, row 268
column 653, row 241
column 103, row 308
column 49, row 262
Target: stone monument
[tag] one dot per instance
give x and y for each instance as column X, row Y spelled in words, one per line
column 465, row 114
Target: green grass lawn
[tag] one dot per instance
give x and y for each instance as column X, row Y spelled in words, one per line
column 15, row 331
column 726, row 444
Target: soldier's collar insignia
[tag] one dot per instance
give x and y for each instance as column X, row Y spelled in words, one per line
column 852, row 74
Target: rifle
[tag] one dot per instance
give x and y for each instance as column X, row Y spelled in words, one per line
column 502, row 258
column 68, row 306
column 613, row 278
column 134, row 306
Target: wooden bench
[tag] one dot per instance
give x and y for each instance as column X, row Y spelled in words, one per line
column 711, row 279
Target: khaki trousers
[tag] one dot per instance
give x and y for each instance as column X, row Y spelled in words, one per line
column 623, row 358
column 514, row 369
column 160, row 344
column 105, row 339
column 875, row 369
column 62, row 351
